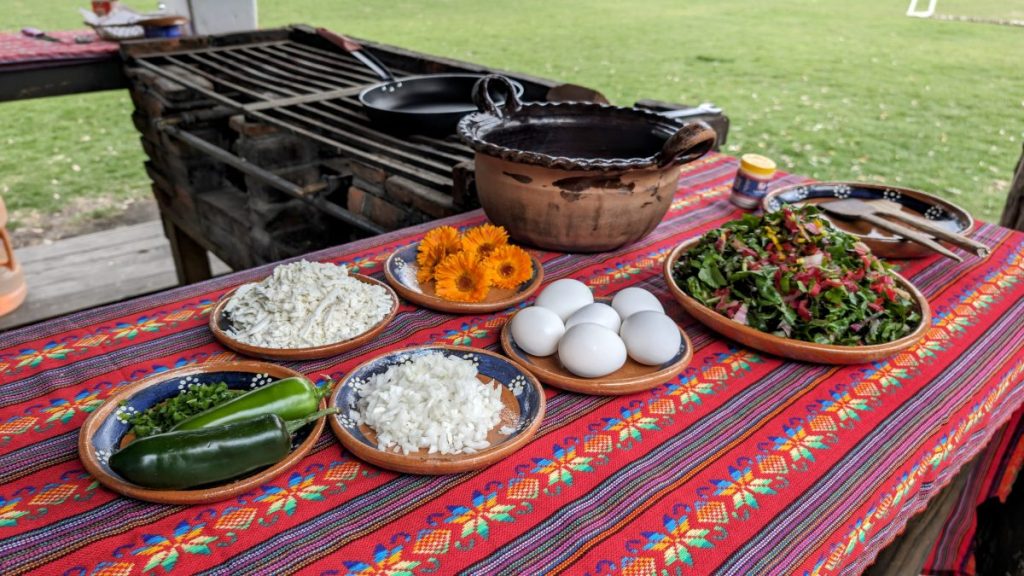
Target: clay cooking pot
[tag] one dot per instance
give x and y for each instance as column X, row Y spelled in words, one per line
column 576, row 176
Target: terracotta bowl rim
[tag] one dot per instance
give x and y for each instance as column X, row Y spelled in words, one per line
column 474, row 128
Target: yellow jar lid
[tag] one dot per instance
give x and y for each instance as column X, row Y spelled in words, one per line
column 757, row 165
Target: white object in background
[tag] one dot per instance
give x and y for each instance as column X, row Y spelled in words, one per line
column 216, row 16
column 913, row 11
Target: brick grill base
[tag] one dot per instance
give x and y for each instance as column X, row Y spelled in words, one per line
column 244, row 221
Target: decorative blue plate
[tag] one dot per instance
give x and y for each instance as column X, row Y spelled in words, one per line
column 523, row 397
column 104, row 431
column 940, row 212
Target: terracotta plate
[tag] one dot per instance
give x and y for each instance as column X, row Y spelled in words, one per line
column 103, row 432
column 882, row 243
column 401, row 268
column 632, row 377
column 522, row 395
column 789, row 348
column 221, row 322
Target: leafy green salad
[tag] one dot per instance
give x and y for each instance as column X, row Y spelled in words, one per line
column 791, row 274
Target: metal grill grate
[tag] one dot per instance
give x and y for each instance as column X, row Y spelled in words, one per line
column 311, row 92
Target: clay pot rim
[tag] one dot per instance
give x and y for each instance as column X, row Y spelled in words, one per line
column 475, row 127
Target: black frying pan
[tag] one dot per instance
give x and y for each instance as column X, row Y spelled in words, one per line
column 431, row 104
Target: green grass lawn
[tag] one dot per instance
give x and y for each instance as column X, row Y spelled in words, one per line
column 834, row 90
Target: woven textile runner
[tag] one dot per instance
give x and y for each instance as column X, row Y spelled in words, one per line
column 16, row 48
column 745, row 464
column 998, row 466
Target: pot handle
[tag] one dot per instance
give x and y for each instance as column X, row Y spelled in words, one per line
column 358, row 52
column 688, row 143
column 484, row 102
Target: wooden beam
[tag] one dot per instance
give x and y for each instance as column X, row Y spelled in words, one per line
column 190, row 259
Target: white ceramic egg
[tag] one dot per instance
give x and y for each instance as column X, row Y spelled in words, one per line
column 651, row 337
column 591, row 351
column 565, row 296
column 537, row 330
column 629, row 301
column 596, row 313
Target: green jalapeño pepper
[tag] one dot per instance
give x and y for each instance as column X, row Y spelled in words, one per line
column 189, row 458
column 289, row 398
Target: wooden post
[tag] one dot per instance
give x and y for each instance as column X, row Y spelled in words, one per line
column 1013, row 213
column 190, row 259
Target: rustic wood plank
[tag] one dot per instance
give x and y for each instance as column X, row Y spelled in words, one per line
column 95, row 269
column 190, row 259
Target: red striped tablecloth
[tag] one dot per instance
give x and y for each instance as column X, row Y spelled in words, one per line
column 16, row 48
column 745, row 464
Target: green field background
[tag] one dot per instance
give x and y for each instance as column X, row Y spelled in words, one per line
column 831, row 89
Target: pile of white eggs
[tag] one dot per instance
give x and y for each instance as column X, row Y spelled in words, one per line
column 593, row 339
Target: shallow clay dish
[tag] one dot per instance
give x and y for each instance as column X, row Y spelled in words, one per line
column 632, row 377
column 401, row 268
column 220, row 323
column 787, row 347
column 522, row 395
column 883, row 244
column 103, row 432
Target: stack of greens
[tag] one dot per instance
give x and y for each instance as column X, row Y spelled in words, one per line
column 792, row 274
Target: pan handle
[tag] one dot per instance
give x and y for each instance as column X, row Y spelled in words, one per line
column 688, row 143
column 482, row 95
column 356, row 50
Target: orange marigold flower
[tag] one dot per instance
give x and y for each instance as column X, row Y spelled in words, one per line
column 462, row 278
column 484, row 239
column 436, row 246
column 424, row 275
column 510, row 266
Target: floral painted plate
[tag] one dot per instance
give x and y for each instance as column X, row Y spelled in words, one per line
column 522, row 395
column 106, row 429
column 882, row 242
column 400, row 271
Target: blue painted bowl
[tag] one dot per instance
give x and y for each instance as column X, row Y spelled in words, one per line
column 522, row 395
column 936, row 210
column 106, row 429
column 400, row 271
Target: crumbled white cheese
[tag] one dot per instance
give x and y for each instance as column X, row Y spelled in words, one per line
column 433, row 402
column 305, row 304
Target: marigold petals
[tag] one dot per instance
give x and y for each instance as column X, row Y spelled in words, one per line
column 484, row 239
column 510, row 266
column 461, row 277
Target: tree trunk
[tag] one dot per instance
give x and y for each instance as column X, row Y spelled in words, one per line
column 1013, row 213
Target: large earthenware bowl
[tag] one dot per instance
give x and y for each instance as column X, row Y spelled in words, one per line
column 577, row 176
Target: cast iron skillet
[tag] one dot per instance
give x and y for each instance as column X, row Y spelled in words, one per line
column 431, row 104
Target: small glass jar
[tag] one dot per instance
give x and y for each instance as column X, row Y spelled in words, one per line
column 752, row 179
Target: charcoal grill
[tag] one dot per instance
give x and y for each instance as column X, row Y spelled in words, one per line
column 259, row 149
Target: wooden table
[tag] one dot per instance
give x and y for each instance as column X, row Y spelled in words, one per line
column 746, row 463
column 33, row 68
